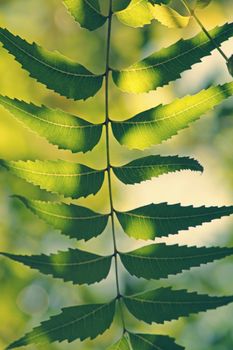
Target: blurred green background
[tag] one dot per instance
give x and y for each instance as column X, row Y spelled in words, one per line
column 26, row 296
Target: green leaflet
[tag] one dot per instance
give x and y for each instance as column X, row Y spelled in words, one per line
column 74, row 265
column 72, row 220
column 76, row 322
column 86, row 12
column 162, row 122
column 156, row 342
column 57, row 72
column 158, row 220
column 122, row 344
column 58, row 127
column 169, row 17
column 152, row 166
column 62, row 177
column 120, row 5
column 137, row 14
column 230, row 65
column 202, row 3
column 160, row 260
column 165, row 304
column 167, row 64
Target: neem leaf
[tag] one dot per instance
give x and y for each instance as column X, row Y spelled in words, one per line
column 72, row 220
column 52, row 69
column 122, row 344
column 167, row 64
column 58, row 127
column 77, row 266
column 146, row 168
column 86, row 12
column 160, row 260
column 165, row 304
column 137, row 14
column 158, row 220
column 151, row 341
column 157, row 124
column 169, row 17
column 76, row 322
column 62, row 177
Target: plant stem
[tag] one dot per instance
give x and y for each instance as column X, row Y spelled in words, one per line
column 192, row 13
column 107, row 122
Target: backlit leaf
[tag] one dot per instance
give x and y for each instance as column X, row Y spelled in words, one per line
column 62, row 177
column 157, row 220
column 77, row 266
column 86, row 12
column 167, row 64
column 202, row 3
column 152, row 166
column 169, row 17
column 73, row 220
column 137, row 14
column 164, row 304
column 122, row 344
column 162, row 122
column 58, row 127
column 160, row 260
column 56, row 71
column 150, row 341
column 76, row 322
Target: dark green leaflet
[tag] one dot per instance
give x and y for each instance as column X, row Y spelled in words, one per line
column 86, row 12
column 57, row 72
column 58, row 127
column 153, row 342
column 167, row 64
column 76, row 322
column 62, row 177
column 157, row 220
column 146, row 168
column 164, row 304
column 77, row 266
column 72, row 220
column 160, row 260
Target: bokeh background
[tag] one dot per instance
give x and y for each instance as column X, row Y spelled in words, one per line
column 26, row 296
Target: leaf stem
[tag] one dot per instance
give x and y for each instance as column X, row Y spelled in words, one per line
column 193, row 14
column 107, row 122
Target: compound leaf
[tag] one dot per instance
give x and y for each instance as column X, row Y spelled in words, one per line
column 169, row 17
column 77, row 266
column 149, row 342
column 166, row 65
column 164, row 121
column 52, row 69
column 72, row 220
column 86, row 12
column 153, row 166
column 122, row 344
column 62, row 177
column 58, row 127
column 157, row 220
column 76, row 322
column 160, row 260
column 165, row 304
column 137, row 14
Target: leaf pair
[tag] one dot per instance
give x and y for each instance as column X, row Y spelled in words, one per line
column 76, row 180
column 88, row 321
column 144, row 130
column 155, row 261
column 74, row 81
